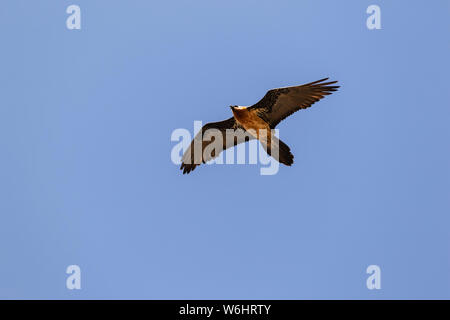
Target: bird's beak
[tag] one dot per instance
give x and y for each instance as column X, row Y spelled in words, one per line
column 231, row 107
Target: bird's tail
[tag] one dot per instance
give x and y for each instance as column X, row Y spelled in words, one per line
column 280, row 151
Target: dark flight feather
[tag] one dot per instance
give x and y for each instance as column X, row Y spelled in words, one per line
column 280, row 103
column 189, row 162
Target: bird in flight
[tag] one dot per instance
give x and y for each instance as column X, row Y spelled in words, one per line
column 248, row 122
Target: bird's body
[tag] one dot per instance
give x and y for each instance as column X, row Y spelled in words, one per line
column 248, row 118
column 257, row 121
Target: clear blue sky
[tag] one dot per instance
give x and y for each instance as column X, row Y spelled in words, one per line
column 85, row 172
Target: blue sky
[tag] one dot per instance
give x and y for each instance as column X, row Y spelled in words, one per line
column 85, row 171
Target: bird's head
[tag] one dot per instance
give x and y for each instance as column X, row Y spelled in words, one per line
column 234, row 108
column 237, row 110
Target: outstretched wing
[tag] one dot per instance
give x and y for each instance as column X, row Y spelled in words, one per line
column 196, row 153
column 280, row 103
